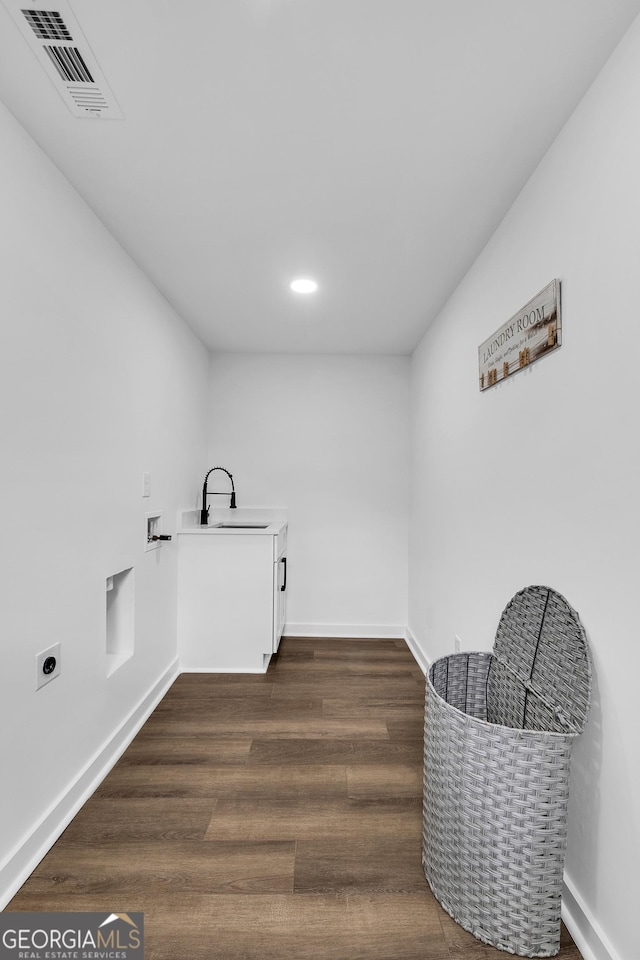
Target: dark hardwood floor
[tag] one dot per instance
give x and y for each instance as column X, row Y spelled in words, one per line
column 269, row 817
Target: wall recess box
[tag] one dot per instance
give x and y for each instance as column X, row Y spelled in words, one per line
column 120, row 619
column 153, row 528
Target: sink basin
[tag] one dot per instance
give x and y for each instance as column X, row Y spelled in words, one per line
column 240, row 526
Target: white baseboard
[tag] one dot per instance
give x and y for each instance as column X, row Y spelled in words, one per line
column 421, row 658
column 349, row 631
column 588, row 936
column 21, row 863
column 246, row 670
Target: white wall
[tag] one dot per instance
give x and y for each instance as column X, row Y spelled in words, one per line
column 327, row 438
column 99, row 382
column 537, row 480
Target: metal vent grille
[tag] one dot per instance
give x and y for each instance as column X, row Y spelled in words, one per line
column 90, row 101
column 55, row 37
column 47, row 24
column 69, row 64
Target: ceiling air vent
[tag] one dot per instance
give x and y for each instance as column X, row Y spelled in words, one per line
column 62, row 49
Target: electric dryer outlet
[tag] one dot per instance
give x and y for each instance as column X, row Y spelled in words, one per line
column 47, row 665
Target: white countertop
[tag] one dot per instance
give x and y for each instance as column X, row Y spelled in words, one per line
column 274, row 520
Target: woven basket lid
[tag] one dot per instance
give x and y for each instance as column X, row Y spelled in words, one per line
column 541, row 641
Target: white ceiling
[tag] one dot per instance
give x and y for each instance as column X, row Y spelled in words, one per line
column 372, row 144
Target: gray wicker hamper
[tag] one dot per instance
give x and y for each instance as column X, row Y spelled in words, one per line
column 497, row 748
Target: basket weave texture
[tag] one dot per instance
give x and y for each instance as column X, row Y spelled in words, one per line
column 497, row 748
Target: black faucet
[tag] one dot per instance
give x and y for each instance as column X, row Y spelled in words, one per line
column 204, row 513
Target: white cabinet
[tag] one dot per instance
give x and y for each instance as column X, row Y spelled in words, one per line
column 231, row 597
column 279, row 597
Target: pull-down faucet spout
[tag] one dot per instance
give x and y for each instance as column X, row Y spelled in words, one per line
column 204, row 513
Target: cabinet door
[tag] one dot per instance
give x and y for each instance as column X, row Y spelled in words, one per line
column 279, row 600
column 225, row 601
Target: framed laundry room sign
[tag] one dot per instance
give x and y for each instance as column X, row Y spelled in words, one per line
column 530, row 334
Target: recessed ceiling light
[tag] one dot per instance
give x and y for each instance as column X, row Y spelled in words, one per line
column 303, row 285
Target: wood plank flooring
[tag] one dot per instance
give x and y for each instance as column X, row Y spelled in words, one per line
column 274, row 817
